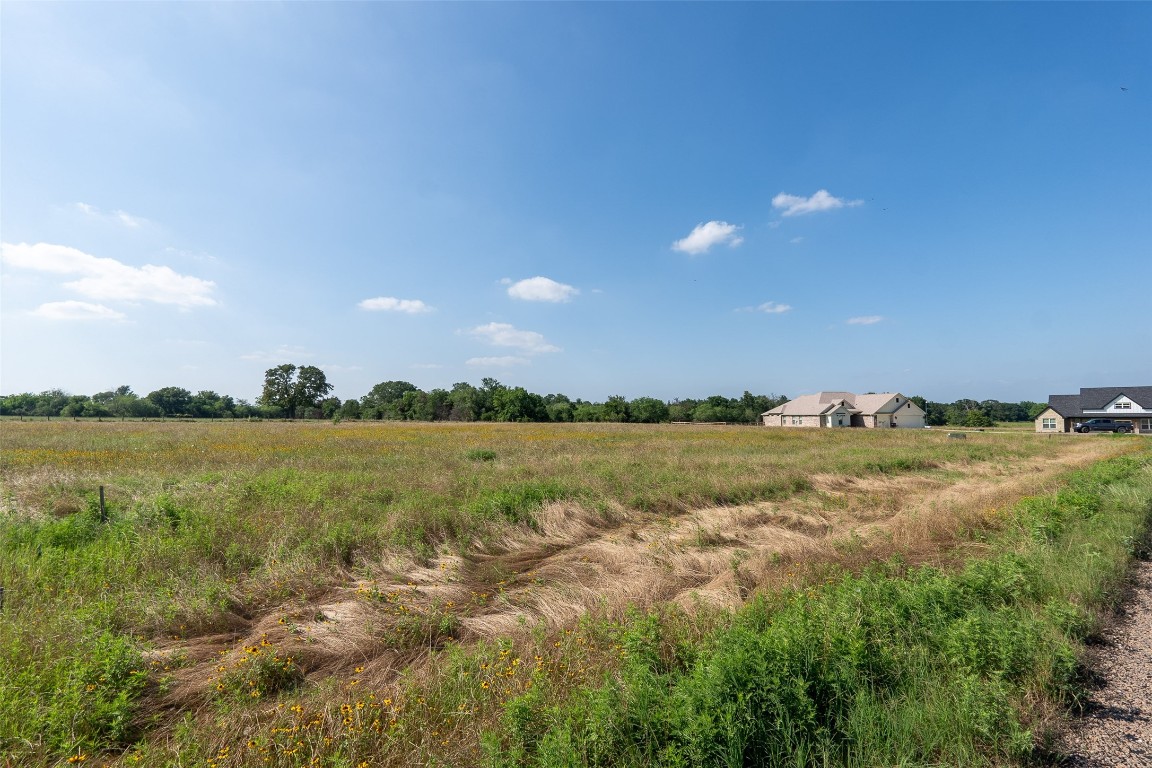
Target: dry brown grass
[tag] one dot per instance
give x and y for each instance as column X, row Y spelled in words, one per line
column 579, row 561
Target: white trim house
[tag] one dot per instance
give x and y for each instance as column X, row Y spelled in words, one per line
column 1066, row 412
column 846, row 409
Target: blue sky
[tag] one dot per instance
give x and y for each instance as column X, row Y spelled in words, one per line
column 646, row 199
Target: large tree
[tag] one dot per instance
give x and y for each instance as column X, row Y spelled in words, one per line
column 173, row 401
column 383, row 401
column 289, row 387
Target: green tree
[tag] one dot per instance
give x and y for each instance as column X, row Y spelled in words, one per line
column 486, row 397
column 584, row 411
column 648, row 410
column 681, row 410
column 137, row 407
column 312, row 386
column 518, row 404
column 23, row 404
column 383, row 400
column 172, row 401
column 754, row 405
column 977, row 418
column 288, row 388
column 559, row 407
column 440, row 404
column 50, row 403
column 615, row 408
column 414, row 406
column 463, row 400
column 350, row 409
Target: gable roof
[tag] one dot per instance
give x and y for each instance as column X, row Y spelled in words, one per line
column 824, row 402
column 812, row 405
column 1065, row 405
column 874, row 403
column 1097, row 398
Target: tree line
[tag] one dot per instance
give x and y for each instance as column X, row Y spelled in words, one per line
column 290, row 391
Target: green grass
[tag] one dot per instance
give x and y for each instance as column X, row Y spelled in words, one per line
column 893, row 666
column 210, row 524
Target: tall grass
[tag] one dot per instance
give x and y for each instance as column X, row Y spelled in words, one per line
column 116, row 630
column 893, row 666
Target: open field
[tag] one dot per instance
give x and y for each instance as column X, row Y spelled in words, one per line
column 381, row 594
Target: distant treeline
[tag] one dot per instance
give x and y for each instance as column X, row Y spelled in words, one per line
column 291, row 392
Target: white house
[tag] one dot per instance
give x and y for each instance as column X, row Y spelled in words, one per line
column 1066, row 412
column 845, row 409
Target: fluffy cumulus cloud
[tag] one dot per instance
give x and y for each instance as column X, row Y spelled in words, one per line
column 541, row 289
column 506, row 335
column 389, row 304
column 505, row 361
column 864, row 320
column 76, row 310
column 704, row 236
column 110, row 280
column 794, row 205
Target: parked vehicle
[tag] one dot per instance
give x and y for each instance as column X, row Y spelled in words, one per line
column 1105, row 425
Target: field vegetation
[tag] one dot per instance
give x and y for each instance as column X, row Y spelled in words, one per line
column 369, row 594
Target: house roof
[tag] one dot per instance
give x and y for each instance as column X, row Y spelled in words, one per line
column 823, row 402
column 1097, row 398
column 1065, row 405
column 875, row 403
column 811, row 405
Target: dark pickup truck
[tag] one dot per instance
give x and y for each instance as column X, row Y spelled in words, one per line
column 1105, row 425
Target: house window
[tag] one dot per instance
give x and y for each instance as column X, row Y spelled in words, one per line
column 1048, row 424
column 1123, row 406
column 795, row 420
column 1146, row 425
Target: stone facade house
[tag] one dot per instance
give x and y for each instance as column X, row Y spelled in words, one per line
column 1066, row 412
column 846, row 409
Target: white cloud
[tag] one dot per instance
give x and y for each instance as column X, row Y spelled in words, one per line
column 496, row 362
column 389, row 304
column 794, row 205
column 282, row 353
column 704, row 236
column 76, row 310
column 505, row 335
column 111, row 280
column 118, row 217
column 542, row 289
column 773, row 308
column 796, row 240
column 864, row 320
column 768, row 307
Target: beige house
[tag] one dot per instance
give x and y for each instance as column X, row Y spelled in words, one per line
column 1065, row 413
column 845, row 409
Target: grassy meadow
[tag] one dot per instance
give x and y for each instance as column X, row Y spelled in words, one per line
column 371, row 594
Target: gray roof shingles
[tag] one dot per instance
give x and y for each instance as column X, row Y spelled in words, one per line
column 1096, row 398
